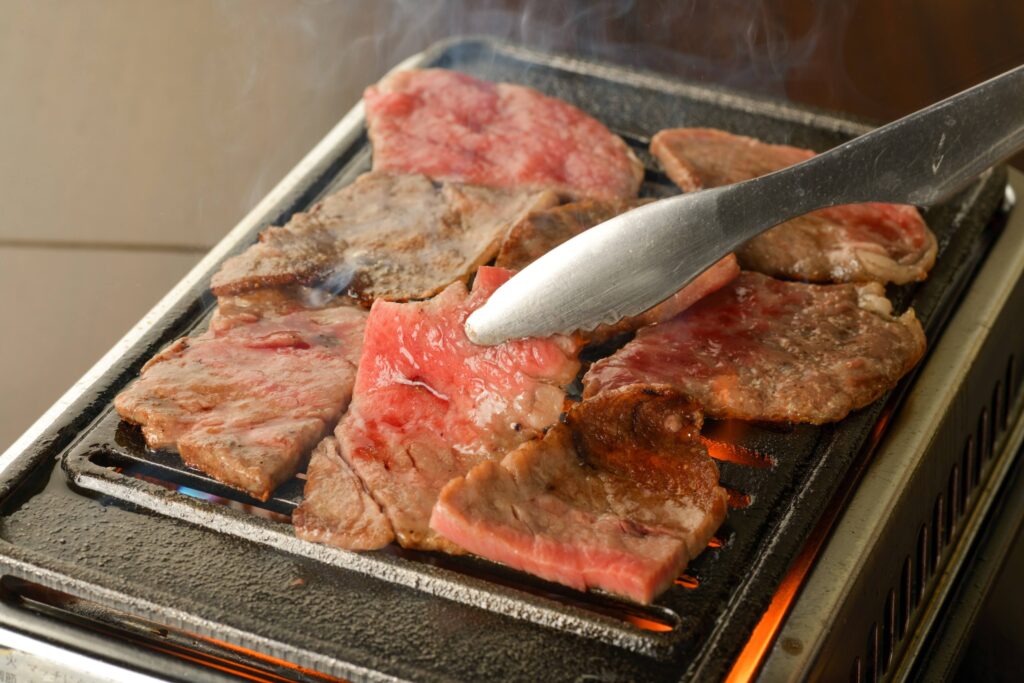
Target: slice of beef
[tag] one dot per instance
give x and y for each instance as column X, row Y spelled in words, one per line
column 538, row 232
column 249, row 307
column 765, row 349
column 699, row 158
column 451, row 126
column 428, row 404
column 850, row 243
column 245, row 404
column 620, row 498
column 383, row 236
column 711, row 280
column 335, row 507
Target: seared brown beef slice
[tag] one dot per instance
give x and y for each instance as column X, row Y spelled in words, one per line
column 451, row 126
column 245, row 403
column 621, row 498
column 540, row 231
column 390, row 237
column 428, row 405
column 272, row 302
column 765, row 349
column 335, row 507
column 851, row 243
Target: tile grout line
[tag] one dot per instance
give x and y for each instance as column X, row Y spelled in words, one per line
column 103, row 246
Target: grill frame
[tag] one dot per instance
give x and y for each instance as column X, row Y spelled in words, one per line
column 972, row 387
column 335, row 162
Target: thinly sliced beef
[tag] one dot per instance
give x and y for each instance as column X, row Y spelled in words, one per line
column 451, row 126
column 249, row 307
column 699, row 158
column 621, row 498
column 765, row 349
column 247, row 402
column 538, row 232
column 429, row 405
column 383, row 236
column 335, row 507
column 711, row 280
column 850, row 243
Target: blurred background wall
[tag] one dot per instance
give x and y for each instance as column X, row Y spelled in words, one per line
column 135, row 133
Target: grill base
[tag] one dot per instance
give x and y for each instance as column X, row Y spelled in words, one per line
column 895, row 555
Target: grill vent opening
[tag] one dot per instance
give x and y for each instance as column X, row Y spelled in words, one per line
column 888, row 631
column 872, row 673
column 921, row 574
column 973, row 466
column 937, row 534
column 953, row 509
column 985, row 435
column 999, row 408
column 1011, row 383
column 905, row 603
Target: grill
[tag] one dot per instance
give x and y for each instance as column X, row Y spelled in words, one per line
column 112, row 549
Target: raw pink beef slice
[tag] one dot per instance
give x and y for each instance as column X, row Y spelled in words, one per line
column 428, row 404
column 454, row 127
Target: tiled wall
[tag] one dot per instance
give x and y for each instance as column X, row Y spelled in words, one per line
column 133, row 135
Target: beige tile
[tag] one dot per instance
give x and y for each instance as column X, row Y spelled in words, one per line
column 61, row 311
column 164, row 122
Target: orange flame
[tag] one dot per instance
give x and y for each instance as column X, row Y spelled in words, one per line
column 726, row 452
column 648, row 624
column 746, row 666
column 749, row 661
column 269, row 659
column 687, row 581
column 737, row 500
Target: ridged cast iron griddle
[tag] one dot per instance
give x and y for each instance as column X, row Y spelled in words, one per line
column 112, row 526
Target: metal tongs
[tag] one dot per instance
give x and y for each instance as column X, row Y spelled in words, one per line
column 625, row 265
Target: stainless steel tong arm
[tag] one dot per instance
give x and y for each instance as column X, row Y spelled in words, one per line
column 637, row 259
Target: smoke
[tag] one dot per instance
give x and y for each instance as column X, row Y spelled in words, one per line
column 313, row 58
column 756, row 46
column 749, row 44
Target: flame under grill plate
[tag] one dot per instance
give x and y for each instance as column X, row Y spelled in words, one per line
column 138, row 531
